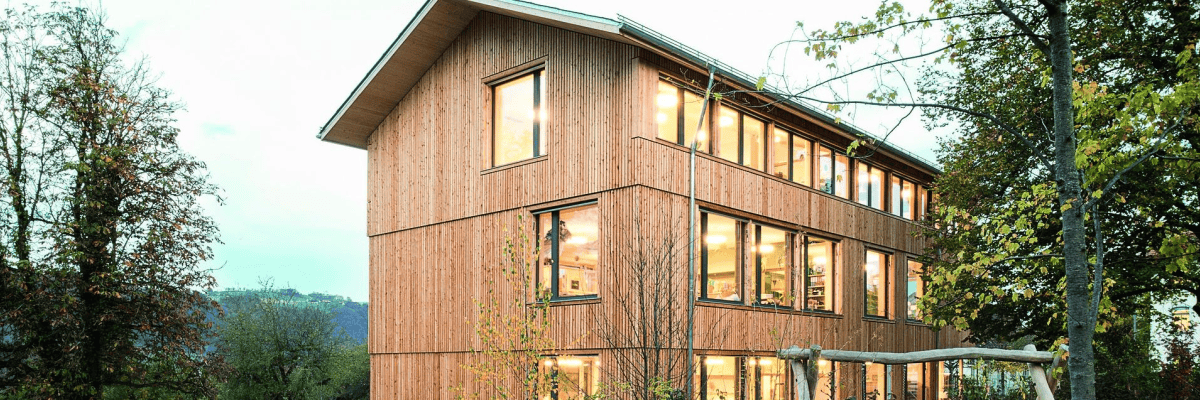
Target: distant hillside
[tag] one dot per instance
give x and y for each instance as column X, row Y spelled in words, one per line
column 349, row 315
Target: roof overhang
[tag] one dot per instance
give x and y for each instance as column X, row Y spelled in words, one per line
column 421, row 43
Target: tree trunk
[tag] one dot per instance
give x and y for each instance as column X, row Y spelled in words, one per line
column 1080, row 326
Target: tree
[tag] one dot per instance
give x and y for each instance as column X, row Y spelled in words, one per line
column 1080, row 139
column 280, row 348
column 103, row 233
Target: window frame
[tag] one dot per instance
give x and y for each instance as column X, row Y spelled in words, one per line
column 556, row 253
column 703, row 145
column 739, row 258
column 921, row 386
column 864, row 168
column 539, row 92
column 554, row 370
column 830, row 275
column 920, row 292
column 885, row 286
column 896, row 198
column 790, row 242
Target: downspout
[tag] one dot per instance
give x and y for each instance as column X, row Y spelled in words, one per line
column 691, row 357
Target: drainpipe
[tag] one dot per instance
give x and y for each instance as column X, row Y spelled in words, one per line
column 691, row 357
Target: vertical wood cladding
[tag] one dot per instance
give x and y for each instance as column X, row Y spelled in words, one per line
column 439, row 213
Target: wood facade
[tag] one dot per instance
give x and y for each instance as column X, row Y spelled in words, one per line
column 439, row 212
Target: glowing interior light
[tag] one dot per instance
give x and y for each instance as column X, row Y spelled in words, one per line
column 532, row 113
column 725, row 121
column 765, row 362
column 715, row 239
column 778, row 139
column 906, row 193
column 570, row 362
column 862, row 176
column 713, row 361
column 868, row 363
column 543, row 114
column 750, row 361
column 819, row 260
column 578, row 239
column 549, row 363
column 766, row 248
column 701, row 135
column 822, row 362
column 667, row 100
column 662, row 117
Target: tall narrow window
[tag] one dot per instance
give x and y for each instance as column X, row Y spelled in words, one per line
column 741, row 138
column 518, row 123
column 902, row 198
column 773, row 254
column 876, row 385
column 575, row 377
column 841, row 176
column 802, row 160
column 728, row 134
column 876, row 274
column 825, row 169
column 819, row 274
column 827, row 381
column 767, row 379
column 754, row 143
column 870, row 186
column 914, row 381
column 780, row 163
column 678, row 115
column 569, row 252
column 916, row 289
column 720, row 257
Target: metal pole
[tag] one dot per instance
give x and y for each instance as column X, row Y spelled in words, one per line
column 691, row 357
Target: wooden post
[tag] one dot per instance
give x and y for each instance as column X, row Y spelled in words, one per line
column 1040, row 385
column 800, row 372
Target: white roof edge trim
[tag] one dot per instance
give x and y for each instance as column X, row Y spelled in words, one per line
column 564, row 16
column 387, row 56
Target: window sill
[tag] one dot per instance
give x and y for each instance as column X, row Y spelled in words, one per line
column 765, row 308
column 916, row 323
column 571, row 301
column 878, row 319
column 514, row 164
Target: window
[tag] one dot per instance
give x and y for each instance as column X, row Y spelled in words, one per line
column 518, row 123
column 876, row 382
column 741, row 138
column 870, row 186
column 876, row 284
column 916, row 289
column 951, row 378
column 922, row 206
column 827, row 380
column 902, row 198
column 818, row 273
column 720, row 257
column 801, row 161
column 1181, row 318
column 719, row 378
column 914, row 381
column 575, row 377
column 791, row 158
column 780, row 162
column 678, row 115
column 833, row 172
column 750, row 378
column 773, row 255
column 569, row 252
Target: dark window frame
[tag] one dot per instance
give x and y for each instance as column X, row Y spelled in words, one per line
column 884, row 271
column 555, row 254
column 883, row 185
column 830, row 275
column 740, row 267
column 790, row 242
column 537, row 72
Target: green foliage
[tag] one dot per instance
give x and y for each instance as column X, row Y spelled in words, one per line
column 101, row 229
column 278, row 347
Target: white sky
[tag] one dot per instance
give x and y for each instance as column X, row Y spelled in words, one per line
column 260, row 78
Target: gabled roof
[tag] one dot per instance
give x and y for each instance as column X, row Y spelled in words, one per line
column 439, row 22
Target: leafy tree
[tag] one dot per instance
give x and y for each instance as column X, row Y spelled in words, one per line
column 280, row 348
column 1010, row 71
column 102, row 231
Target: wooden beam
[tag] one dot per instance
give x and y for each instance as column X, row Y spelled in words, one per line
column 1038, row 375
column 1041, row 357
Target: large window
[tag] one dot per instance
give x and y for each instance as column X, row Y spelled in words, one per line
column 749, row 378
column 876, row 272
column 569, row 252
column 791, row 158
column 519, row 120
column 741, row 138
column 870, row 186
column 916, row 289
column 575, row 377
column 773, row 255
column 720, row 257
column 819, row 263
column 903, row 191
column 876, row 382
column 833, row 172
column 678, row 115
column 914, row 381
column 827, row 381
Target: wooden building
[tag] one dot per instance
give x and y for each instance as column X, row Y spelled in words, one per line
column 485, row 115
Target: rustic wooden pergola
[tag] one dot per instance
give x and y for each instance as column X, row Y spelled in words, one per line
column 804, row 363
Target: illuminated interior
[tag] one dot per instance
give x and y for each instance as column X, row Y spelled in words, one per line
column 577, row 230
column 875, row 382
column 818, row 293
column 876, row 284
column 916, row 289
column 721, row 239
column 775, row 255
column 575, row 377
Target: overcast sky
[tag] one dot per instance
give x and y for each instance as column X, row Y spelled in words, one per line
column 260, row 78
